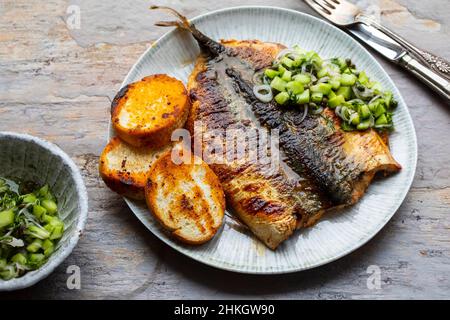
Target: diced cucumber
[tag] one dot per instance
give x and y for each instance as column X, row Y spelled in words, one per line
column 382, row 119
column 34, row 246
column 298, row 61
column 335, row 83
column 295, row 87
column 278, row 84
column 388, row 98
column 347, row 71
column 36, row 258
column 49, row 251
column 280, row 98
column 362, row 78
column 49, row 228
column 323, row 88
column 8, row 272
column 6, row 218
column 314, row 58
column 50, row 206
column 380, row 110
column 46, row 218
column 322, row 72
column 303, row 98
column 270, row 73
column 56, row 222
column 363, row 125
column 348, row 79
column 317, row 97
column 344, row 91
column 331, row 94
column 340, row 62
column 287, row 62
column 373, row 106
column 377, row 87
column 59, row 230
column 44, row 193
column 287, row 75
column 48, row 247
column 336, row 101
column 29, row 198
column 39, row 211
column 355, row 120
column 19, row 258
column 47, row 244
column 364, row 111
column 303, row 78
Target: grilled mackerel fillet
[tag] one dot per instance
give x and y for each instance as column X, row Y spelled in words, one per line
column 322, row 167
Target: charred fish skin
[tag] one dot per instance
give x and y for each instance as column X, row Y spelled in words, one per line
column 261, row 197
column 312, row 146
column 315, row 146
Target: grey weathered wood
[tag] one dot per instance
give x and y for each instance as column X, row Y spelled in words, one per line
column 57, row 84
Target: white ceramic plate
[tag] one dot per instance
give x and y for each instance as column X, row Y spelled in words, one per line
column 336, row 234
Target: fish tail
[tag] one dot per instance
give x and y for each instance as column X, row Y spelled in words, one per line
column 183, row 23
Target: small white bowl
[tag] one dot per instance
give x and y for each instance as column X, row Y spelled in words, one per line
column 29, row 158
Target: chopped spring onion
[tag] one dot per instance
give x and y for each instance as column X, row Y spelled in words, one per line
column 362, row 92
column 258, row 77
column 317, row 110
column 283, row 53
column 300, row 77
column 263, row 92
column 305, row 112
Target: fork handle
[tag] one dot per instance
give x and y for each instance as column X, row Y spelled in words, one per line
column 433, row 70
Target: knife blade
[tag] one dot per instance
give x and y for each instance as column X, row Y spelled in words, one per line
column 395, row 52
column 378, row 41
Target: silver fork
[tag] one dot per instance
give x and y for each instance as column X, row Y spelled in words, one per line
column 433, row 70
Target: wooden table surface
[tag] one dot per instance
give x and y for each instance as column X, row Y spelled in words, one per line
column 56, row 82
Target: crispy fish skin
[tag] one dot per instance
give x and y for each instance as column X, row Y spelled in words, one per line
column 259, row 196
column 342, row 163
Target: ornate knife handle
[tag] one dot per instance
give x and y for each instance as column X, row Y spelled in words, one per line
column 418, row 61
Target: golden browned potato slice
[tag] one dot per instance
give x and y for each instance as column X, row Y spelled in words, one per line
column 144, row 113
column 186, row 198
column 124, row 168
